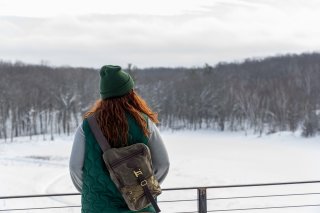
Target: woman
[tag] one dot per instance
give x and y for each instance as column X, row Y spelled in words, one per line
column 124, row 119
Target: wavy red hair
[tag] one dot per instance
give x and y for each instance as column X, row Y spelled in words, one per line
column 111, row 116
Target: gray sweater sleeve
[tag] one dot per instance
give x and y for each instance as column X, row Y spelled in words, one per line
column 160, row 158
column 77, row 158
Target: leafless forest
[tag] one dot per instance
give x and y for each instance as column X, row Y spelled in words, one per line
column 263, row 95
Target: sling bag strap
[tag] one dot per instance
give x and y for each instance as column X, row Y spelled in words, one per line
column 143, row 184
column 94, row 126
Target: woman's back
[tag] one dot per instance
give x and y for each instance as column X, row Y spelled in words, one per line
column 97, row 184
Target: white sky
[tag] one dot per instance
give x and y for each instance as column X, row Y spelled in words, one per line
column 155, row 33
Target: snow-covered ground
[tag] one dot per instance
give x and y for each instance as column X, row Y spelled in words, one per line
column 198, row 158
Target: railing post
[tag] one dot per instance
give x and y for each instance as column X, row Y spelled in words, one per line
column 202, row 200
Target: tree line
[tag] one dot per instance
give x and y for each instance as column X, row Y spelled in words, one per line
column 265, row 95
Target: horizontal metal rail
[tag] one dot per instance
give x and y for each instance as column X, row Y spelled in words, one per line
column 201, row 200
column 244, row 185
column 264, row 196
column 39, row 195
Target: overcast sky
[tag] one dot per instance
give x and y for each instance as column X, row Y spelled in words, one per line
column 155, row 33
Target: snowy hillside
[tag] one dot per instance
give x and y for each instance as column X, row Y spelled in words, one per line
column 200, row 158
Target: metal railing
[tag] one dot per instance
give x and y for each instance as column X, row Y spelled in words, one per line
column 201, row 198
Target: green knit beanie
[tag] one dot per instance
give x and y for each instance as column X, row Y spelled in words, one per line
column 114, row 82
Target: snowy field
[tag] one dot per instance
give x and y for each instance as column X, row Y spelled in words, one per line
column 201, row 158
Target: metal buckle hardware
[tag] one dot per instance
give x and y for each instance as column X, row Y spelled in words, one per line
column 143, row 183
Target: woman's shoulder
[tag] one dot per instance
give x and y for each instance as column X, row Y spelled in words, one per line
column 152, row 127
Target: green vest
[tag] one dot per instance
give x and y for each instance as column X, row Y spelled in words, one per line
column 99, row 193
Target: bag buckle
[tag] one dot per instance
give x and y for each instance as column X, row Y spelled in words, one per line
column 143, row 183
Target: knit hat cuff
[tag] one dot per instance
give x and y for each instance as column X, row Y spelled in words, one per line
column 122, row 90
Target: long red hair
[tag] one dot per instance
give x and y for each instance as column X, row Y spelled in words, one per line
column 111, row 116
